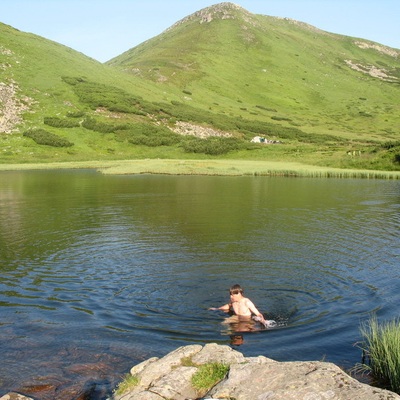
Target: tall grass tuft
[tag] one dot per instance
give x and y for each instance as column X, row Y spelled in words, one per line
column 209, row 375
column 381, row 347
column 129, row 382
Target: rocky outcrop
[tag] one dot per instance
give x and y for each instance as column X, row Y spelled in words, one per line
column 11, row 106
column 202, row 132
column 223, row 10
column 249, row 378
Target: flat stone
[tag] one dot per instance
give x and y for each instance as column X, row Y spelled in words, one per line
column 213, row 352
column 137, row 369
column 176, row 384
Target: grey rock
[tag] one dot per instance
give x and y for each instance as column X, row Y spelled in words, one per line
column 249, row 378
column 213, row 352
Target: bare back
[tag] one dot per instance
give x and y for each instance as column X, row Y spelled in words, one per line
column 244, row 307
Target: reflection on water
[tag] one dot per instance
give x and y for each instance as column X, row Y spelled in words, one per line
column 235, row 327
column 110, row 270
column 234, row 324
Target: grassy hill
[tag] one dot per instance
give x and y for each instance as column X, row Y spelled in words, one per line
column 264, row 67
column 36, row 93
column 327, row 99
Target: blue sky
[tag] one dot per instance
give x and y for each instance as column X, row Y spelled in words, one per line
column 103, row 29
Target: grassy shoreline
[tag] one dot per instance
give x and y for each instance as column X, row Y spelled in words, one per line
column 206, row 167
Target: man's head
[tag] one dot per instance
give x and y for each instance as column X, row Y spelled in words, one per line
column 235, row 289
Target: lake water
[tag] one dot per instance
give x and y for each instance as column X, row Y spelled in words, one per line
column 98, row 273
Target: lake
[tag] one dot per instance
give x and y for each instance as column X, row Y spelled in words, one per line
column 99, row 272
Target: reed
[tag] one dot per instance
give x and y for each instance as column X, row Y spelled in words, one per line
column 381, row 347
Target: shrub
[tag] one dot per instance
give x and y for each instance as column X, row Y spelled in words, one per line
column 94, row 125
column 386, row 156
column 100, row 95
column 277, row 118
column 60, row 122
column 151, row 135
column 212, row 146
column 364, row 114
column 41, row 136
column 382, row 348
column 267, row 108
column 390, row 145
column 75, row 114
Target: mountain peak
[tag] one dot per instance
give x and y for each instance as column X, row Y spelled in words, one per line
column 225, row 10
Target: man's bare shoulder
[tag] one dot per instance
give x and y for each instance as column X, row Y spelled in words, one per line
column 247, row 300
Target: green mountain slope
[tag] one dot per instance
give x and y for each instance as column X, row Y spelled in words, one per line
column 38, row 92
column 204, row 89
column 264, row 67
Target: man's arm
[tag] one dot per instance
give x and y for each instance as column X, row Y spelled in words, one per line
column 254, row 309
column 225, row 308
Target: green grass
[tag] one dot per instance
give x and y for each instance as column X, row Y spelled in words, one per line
column 208, row 375
column 129, row 382
column 381, row 345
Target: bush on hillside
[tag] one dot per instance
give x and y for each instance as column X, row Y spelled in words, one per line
column 100, row 95
column 267, row 108
column 277, row 118
column 97, row 126
column 391, row 145
column 151, row 135
column 75, row 114
column 391, row 153
column 60, row 122
column 212, row 146
column 43, row 137
column 394, row 149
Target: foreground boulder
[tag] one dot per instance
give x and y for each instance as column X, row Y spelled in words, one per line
column 249, row 378
column 14, row 396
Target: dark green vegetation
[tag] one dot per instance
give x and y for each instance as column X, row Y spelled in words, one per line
column 329, row 100
column 381, row 347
